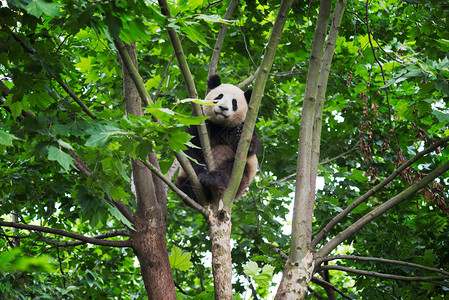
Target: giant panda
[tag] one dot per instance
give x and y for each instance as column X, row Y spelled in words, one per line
column 224, row 126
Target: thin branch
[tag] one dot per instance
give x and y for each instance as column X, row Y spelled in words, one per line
column 382, row 275
column 220, row 39
column 138, row 81
column 372, row 191
column 341, row 155
column 278, row 251
column 315, row 293
column 191, row 89
column 256, row 99
column 158, row 90
column 61, row 83
column 380, row 210
column 173, row 169
column 326, row 284
column 86, row 239
column 368, row 31
column 76, row 99
column 180, row 193
column 77, row 243
column 248, row 80
column 5, row 93
column 122, row 207
column 380, row 260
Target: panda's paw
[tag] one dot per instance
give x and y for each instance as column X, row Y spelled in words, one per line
column 213, row 180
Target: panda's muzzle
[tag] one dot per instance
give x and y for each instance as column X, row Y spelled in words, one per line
column 221, row 113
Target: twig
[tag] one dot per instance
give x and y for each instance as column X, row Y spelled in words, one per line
column 220, row 39
column 315, row 293
column 77, row 243
column 382, row 275
column 158, row 90
column 191, row 89
column 368, row 31
column 180, row 193
column 86, row 239
column 61, row 83
column 122, row 207
column 328, row 285
column 381, row 209
column 372, row 191
column 77, row 100
column 5, row 93
column 380, row 260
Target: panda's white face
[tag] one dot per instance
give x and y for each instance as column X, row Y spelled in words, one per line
column 230, row 106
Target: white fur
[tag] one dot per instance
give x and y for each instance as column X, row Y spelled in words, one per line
column 222, row 112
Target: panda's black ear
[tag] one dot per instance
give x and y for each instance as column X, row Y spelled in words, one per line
column 248, row 94
column 213, row 82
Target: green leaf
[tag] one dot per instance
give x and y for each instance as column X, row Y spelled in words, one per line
column 251, row 268
column 65, row 160
column 38, row 7
column 100, row 135
column 357, row 175
column 212, row 18
column 6, row 138
column 442, row 117
column 16, row 109
column 179, row 260
column 119, row 216
column 194, row 34
column 65, row 145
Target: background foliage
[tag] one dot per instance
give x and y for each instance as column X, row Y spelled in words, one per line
column 387, row 99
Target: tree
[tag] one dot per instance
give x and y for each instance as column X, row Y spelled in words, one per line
column 96, row 96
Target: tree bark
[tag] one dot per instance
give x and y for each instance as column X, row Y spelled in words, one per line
column 150, row 218
column 148, row 242
column 220, row 237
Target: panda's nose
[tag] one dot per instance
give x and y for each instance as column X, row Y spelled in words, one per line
column 223, row 108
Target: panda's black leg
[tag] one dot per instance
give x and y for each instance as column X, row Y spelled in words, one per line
column 214, row 180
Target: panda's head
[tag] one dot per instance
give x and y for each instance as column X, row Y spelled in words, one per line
column 230, row 103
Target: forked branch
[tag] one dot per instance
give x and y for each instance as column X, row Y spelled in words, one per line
column 381, row 209
column 381, row 260
column 383, row 275
column 378, row 187
column 86, row 239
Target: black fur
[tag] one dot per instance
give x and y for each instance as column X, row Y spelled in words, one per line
column 248, row 94
column 219, row 178
column 213, row 82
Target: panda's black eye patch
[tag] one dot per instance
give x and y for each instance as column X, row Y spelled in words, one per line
column 234, row 105
column 219, row 97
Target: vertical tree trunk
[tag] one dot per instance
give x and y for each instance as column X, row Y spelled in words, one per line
column 220, row 237
column 299, row 267
column 150, row 218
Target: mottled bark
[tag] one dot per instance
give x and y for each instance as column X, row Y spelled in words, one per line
column 296, row 278
column 148, row 242
column 220, row 236
column 150, row 218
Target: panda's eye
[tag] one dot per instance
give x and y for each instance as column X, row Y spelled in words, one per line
column 234, row 105
column 219, row 97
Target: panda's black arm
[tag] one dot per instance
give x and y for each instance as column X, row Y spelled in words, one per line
column 254, row 145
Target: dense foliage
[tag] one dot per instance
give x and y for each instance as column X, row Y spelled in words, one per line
column 387, row 99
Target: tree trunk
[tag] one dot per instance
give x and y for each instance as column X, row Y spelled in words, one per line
column 150, row 218
column 148, row 242
column 296, row 278
column 220, row 236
